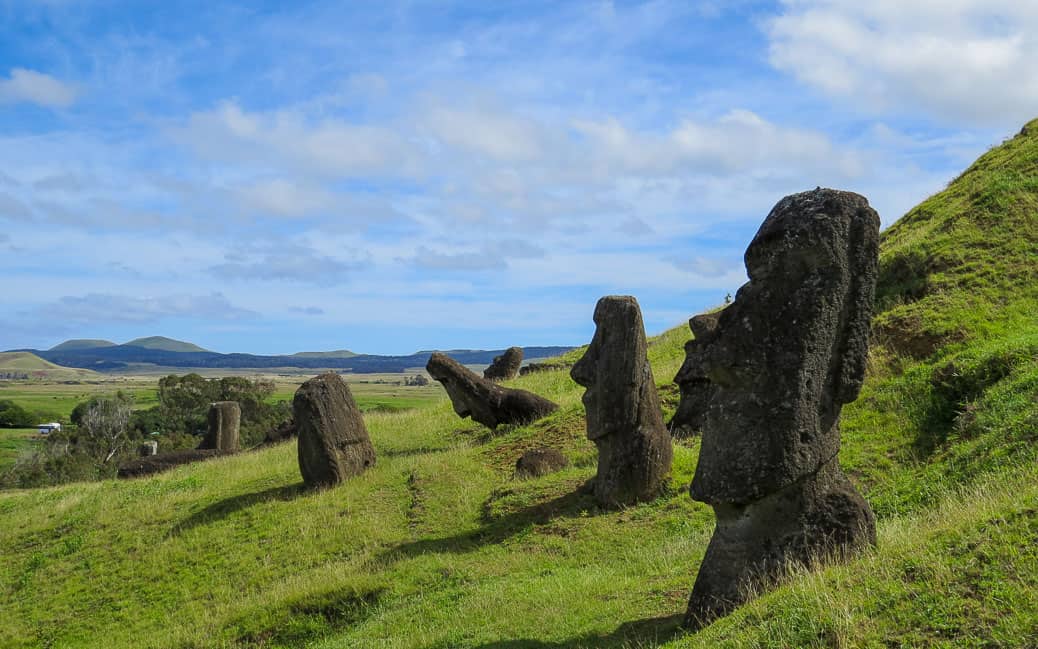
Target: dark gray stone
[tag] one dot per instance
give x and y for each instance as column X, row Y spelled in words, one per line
column 506, row 366
column 333, row 441
column 781, row 361
column 692, row 380
column 623, row 409
column 483, row 400
column 539, row 461
column 224, row 425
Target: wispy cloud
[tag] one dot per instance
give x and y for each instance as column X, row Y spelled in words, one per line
column 36, row 88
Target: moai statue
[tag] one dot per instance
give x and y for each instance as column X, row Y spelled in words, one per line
column 505, row 366
column 224, row 425
column 333, row 441
column 692, row 380
column 623, row 409
column 482, row 399
column 781, row 360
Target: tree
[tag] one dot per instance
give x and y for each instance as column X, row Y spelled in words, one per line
column 14, row 416
column 104, row 429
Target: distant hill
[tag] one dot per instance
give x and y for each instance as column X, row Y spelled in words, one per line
column 164, row 344
column 81, row 343
column 31, row 365
column 120, row 357
column 338, row 353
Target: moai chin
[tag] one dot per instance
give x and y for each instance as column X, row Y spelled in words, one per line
column 780, row 362
column 623, row 409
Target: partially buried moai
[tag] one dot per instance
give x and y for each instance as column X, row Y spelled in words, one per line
column 692, row 380
column 623, row 409
column 505, row 366
column 333, row 441
column 224, row 423
column 780, row 362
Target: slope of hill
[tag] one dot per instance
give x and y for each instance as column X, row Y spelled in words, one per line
column 81, row 343
column 162, row 343
column 338, row 353
column 32, row 366
column 437, row 546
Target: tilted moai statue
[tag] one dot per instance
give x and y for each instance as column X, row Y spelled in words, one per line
column 333, row 441
column 482, row 399
column 623, row 409
column 781, row 360
column 224, row 426
column 505, row 366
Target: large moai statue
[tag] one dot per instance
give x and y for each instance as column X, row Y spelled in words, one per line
column 623, row 409
column 505, row 366
column 333, row 442
column 483, row 400
column 224, row 426
column 781, row 360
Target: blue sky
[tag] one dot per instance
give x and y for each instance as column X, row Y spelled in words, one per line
column 395, row 176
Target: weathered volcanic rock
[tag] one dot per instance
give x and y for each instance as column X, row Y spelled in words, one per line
column 692, row 380
column 224, row 425
column 506, row 366
column 623, row 409
column 539, row 461
column 483, row 400
column 781, row 361
column 333, row 442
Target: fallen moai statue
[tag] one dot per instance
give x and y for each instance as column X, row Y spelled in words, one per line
column 483, row 400
column 623, row 408
column 224, row 425
column 333, row 441
column 505, row 366
column 152, row 464
column 780, row 362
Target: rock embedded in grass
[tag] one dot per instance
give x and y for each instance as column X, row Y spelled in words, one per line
column 333, row 441
column 781, row 361
column 224, row 426
column 483, row 400
column 623, row 409
column 505, row 366
column 539, row 461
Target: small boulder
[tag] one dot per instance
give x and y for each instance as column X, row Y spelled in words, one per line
column 333, row 441
column 506, row 366
column 539, row 461
column 483, row 400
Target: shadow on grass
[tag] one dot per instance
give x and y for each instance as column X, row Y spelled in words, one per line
column 639, row 633
column 224, row 508
column 496, row 529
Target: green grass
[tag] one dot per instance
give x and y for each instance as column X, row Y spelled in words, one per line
column 55, row 401
column 14, row 444
column 438, row 547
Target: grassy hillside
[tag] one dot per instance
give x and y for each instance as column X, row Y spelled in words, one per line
column 81, row 343
column 437, row 546
column 164, row 344
column 35, row 367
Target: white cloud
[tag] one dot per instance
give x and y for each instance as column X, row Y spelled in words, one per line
column 277, row 139
column 495, row 134
column 94, row 308
column 36, row 88
column 968, row 61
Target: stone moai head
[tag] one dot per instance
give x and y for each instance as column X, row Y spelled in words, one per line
column 614, row 369
column 790, row 350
